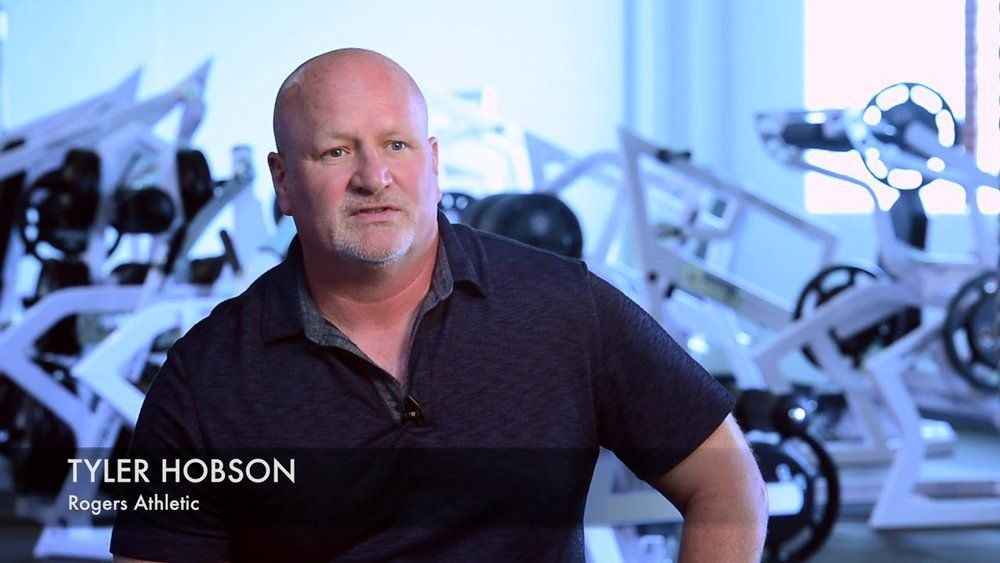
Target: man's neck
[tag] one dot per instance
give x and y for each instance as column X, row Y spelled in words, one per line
column 357, row 297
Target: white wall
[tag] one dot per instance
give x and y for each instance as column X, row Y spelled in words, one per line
column 703, row 70
column 556, row 64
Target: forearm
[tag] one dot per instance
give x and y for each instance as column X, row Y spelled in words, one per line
column 724, row 529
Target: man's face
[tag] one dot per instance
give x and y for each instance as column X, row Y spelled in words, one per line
column 360, row 174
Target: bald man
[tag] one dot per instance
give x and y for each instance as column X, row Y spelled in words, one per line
column 443, row 391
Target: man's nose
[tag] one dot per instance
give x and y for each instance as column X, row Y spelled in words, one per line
column 372, row 173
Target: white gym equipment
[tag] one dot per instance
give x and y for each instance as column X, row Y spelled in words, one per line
column 618, row 505
column 885, row 380
column 104, row 398
column 932, row 278
column 112, row 120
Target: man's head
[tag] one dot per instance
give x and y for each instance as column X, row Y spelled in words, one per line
column 355, row 167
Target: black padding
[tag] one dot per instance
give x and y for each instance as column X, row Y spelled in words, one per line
column 39, row 441
column 812, row 136
column 130, row 273
column 195, row 181
column 56, row 275
column 11, row 190
column 204, row 271
column 146, row 210
column 759, row 409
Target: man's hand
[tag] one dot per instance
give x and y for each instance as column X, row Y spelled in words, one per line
column 720, row 492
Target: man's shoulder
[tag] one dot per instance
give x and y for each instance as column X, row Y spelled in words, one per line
column 231, row 322
column 510, row 261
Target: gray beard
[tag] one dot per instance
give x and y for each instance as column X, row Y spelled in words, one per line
column 356, row 252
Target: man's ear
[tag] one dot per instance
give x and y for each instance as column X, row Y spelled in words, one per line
column 434, row 153
column 280, row 183
column 433, row 142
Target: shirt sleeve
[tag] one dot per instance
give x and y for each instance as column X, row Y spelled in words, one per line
column 655, row 404
column 167, row 430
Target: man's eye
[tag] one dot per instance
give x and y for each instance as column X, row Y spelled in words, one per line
column 397, row 145
column 336, row 153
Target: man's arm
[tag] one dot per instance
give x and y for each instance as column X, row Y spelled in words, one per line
column 720, row 492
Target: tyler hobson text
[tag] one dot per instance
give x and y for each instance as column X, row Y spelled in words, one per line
column 193, row 470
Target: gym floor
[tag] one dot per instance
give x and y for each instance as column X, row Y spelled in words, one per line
column 852, row 540
column 977, row 451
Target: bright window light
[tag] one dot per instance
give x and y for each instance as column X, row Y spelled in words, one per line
column 844, row 71
column 988, row 91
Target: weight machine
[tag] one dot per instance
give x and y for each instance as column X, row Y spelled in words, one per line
column 687, row 245
column 624, row 516
column 111, row 119
column 26, row 151
column 114, row 368
column 902, row 134
column 706, row 299
column 158, row 201
column 906, row 129
column 114, row 371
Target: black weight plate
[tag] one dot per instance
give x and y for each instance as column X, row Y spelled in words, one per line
column 11, row 191
column 759, row 409
column 64, row 203
column 474, row 215
column 829, row 283
column 11, row 397
column 803, row 462
column 970, row 332
column 39, row 449
column 539, row 220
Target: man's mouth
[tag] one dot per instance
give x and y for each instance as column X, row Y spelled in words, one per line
column 373, row 210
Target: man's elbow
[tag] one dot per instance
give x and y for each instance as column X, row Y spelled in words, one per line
column 749, row 506
column 759, row 506
column 746, row 504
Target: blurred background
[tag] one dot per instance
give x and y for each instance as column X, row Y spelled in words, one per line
column 519, row 93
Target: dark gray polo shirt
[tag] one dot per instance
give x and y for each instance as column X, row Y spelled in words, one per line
column 522, row 364
column 321, row 332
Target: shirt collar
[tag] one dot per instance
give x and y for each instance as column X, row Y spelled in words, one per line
column 289, row 309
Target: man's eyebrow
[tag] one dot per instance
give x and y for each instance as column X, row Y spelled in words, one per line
column 334, row 134
column 341, row 135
